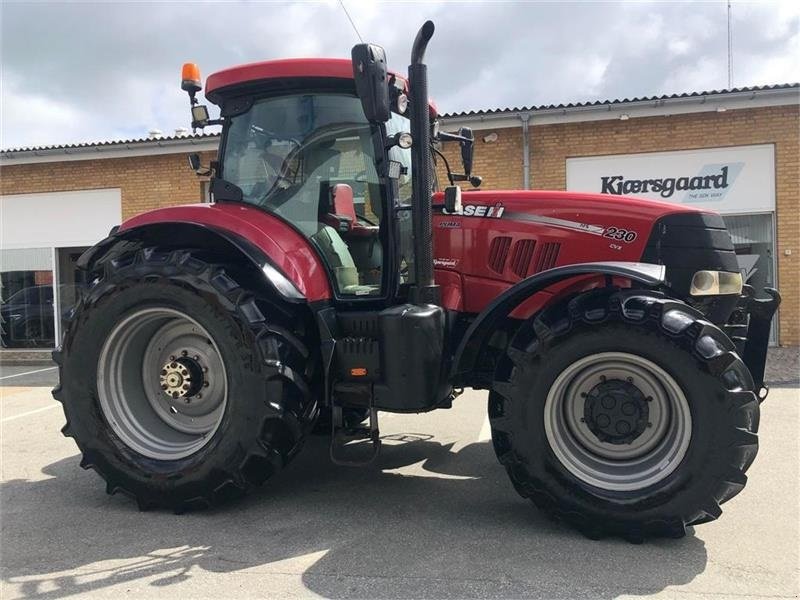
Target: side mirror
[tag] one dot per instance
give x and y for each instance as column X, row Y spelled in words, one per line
column 452, row 200
column 194, row 164
column 370, row 73
column 467, row 149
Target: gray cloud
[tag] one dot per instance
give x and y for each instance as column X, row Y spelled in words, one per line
column 106, row 70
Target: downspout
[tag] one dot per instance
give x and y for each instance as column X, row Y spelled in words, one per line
column 526, row 151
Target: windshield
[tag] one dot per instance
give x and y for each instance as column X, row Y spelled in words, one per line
column 296, row 148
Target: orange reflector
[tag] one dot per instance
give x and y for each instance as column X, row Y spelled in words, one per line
column 190, row 76
column 358, row 372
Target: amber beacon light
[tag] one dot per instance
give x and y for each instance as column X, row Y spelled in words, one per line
column 190, row 78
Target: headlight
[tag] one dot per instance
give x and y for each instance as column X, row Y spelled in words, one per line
column 716, row 283
column 402, row 103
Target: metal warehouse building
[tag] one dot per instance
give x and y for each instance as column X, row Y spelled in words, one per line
column 734, row 151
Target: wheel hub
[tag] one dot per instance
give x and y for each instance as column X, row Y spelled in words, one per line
column 617, row 421
column 616, row 411
column 162, row 383
column 183, row 377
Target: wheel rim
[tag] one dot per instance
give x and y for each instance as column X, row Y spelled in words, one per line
column 162, row 383
column 617, row 421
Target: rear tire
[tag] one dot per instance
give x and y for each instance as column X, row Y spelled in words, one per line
column 606, row 481
column 248, row 364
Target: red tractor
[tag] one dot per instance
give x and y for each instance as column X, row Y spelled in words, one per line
column 329, row 280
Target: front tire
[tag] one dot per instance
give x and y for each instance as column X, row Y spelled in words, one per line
column 624, row 413
column 181, row 387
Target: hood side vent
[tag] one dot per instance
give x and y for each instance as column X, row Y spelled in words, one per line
column 521, row 257
column 547, row 257
column 498, row 253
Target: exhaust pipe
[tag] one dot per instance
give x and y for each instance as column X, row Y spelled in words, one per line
column 425, row 291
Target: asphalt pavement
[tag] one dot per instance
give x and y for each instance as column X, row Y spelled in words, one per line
column 436, row 518
column 41, row 374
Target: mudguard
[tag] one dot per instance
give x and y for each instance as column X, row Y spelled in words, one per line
column 290, row 267
column 487, row 322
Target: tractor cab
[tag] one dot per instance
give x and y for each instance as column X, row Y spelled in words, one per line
column 298, row 144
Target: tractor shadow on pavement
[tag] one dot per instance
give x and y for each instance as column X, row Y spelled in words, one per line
column 425, row 520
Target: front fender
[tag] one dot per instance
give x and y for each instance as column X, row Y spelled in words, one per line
column 481, row 329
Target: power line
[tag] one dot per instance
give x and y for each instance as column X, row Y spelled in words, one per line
column 349, row 18
column 730, row 48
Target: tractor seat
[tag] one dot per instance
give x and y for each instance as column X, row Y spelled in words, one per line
column 339, row 259
column 338, row 210
column 338, row 218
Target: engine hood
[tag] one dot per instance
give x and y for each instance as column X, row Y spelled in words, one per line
column 578, row 204
column 506, row 236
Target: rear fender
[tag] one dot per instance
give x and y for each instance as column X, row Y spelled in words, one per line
column 175, row 236
column 289, row 250
column 502, row 307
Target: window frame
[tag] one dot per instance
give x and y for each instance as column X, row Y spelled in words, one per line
column 390, row 289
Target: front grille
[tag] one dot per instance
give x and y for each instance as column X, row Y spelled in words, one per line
column 547, row 256
column 498, row 252
column 689, row 242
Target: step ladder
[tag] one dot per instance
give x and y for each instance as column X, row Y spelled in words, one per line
column 356, row 446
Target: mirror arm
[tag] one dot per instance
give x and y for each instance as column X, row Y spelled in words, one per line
column 203, row 124
column 451, row 137
column 450, row 175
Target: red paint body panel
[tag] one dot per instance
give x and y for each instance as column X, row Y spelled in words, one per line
column 291, row 252
column 463, row 244
column 336, row 68
column 333, row 68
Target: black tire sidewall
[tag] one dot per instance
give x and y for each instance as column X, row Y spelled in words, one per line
column 678, row 494
column 244, row 415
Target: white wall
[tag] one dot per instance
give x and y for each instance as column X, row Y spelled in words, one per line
column 58, row 219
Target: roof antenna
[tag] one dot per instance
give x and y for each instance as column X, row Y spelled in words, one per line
column 730, row 48
column 349, row 18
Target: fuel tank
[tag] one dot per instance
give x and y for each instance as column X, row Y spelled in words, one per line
column 502, row 237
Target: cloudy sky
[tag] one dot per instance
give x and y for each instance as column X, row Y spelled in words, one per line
column 90, row 71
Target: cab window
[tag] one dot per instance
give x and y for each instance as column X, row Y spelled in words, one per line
column 310, row 159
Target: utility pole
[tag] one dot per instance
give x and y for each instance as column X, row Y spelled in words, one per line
column 730, row 48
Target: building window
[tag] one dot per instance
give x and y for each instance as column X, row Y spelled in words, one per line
column 26, row 294
column 753, row 240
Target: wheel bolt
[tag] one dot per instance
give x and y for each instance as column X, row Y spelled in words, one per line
column 174, row 394
column 195, row 357
column 649, row 398
column 603, row 378
column 172, row 357
column 583, row 394
column 199, row 396
column 186, row 386
column 184, row 353
column 164, row 386
column 205, row 369
column 205, row 384
column 649, row 424
column 163, row 371
column 630, row 379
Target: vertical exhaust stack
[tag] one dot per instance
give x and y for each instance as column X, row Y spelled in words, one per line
column 425, row 290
